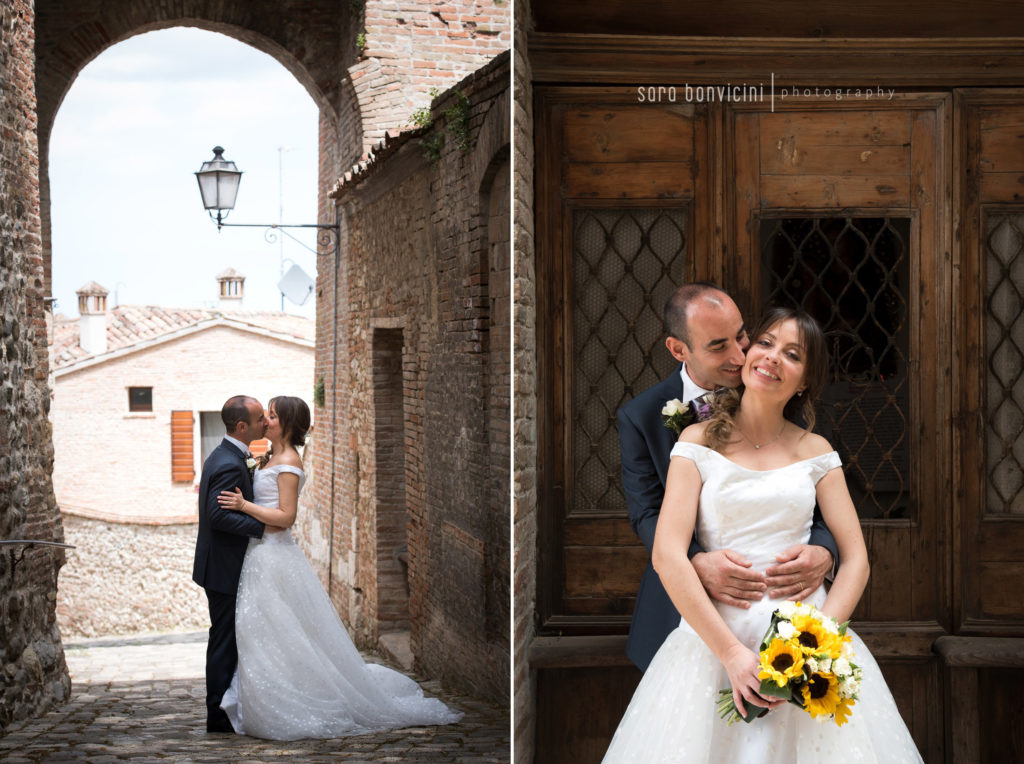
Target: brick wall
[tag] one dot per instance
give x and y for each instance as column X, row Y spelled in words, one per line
column 525, row 486
column 412, row 47
column 31, row 657
column 425, row 257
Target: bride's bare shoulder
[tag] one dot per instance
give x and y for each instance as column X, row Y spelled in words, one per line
column 811, row 444
column 291, row 458
column 694, row 434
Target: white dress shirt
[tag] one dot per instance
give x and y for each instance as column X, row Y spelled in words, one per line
column 239, row 445
column 691, row 390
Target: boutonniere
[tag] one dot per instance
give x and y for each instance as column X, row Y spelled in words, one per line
column 677, row 416
column 251, row 464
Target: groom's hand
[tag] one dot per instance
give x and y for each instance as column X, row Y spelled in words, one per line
column 727, row 577
column 800, row 572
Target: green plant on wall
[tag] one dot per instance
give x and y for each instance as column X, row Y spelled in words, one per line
column 361, row 42
column 456, row 119
column 318, row 393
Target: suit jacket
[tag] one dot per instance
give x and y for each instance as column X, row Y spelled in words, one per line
column 223, row 534
column 645, row 446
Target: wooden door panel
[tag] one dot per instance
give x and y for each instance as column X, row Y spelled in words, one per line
column 628, row 134
column 628, row 191
column 780, row 178
column 991, row 399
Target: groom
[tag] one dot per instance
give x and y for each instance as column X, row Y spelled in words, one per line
column 706, row 334
column 221, row 544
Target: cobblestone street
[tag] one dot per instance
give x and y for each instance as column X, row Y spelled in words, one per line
column 141, row 699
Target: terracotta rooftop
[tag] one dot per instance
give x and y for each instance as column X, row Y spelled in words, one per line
column 131, row 324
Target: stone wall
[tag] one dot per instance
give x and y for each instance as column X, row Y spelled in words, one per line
column 425, row 268
column 127, row 578
column 525, row 481
column 31, row 657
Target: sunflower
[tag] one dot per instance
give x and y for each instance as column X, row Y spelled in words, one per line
column 781, row 661
column 814, row 639
column 843, row 711
column 821, row 694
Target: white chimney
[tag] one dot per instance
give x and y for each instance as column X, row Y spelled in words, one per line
column 232, row 289
column 92, row 321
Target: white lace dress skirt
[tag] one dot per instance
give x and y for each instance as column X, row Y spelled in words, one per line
column 299, row 674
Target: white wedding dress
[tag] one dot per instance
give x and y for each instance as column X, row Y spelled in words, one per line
column 673, row 717
column 299, row 675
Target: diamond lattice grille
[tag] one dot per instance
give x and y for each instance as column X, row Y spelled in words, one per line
column 852, row 275
column 1004, row 346
column 626, row 263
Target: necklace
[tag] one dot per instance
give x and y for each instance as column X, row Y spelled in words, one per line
column 766, row 443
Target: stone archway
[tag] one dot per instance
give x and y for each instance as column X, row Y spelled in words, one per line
column 304, row 37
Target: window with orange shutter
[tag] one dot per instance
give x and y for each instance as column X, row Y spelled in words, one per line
column 182, row 464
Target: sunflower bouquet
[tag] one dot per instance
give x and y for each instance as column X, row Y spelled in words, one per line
column 807, row 659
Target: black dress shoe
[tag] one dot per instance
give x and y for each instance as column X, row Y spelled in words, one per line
column 220, row 727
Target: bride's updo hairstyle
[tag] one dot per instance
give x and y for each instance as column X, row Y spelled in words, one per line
column 800, row 408
column 293, row 414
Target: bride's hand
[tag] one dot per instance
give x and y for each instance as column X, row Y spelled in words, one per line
column 232, row 500
column 743, row 668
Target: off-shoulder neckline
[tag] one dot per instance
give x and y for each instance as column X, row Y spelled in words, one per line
column 748, row 469
column 279, row 466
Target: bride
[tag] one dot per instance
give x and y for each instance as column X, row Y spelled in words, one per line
column 747, row 479
column 298, row 674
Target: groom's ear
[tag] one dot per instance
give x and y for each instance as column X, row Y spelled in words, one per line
column 679, row 349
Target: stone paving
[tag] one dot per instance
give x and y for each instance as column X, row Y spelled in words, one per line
column 141, row 699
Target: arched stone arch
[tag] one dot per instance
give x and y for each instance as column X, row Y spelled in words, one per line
column 307, row 38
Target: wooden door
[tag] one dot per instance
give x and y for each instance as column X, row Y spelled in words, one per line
column 846, row 212
column 624, row 216
column 985, row 720
column 844, row 209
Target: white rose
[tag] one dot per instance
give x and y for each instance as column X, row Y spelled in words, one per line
column 671, row 407
column 251, row 463
column 841, row 667
column 786, row 630
column 812, row 664
column 829, row 625
column 847, row 650
column 848, row 688
column 824, row 665
column 787, row 609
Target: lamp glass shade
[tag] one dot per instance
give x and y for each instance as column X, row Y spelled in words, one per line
column 218, row 181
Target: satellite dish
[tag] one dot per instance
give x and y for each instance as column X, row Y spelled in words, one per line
column 296, row 285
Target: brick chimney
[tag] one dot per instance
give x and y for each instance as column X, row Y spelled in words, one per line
column 92, row 321
column 232, row 289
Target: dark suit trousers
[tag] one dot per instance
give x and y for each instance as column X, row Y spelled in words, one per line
column 221, row 657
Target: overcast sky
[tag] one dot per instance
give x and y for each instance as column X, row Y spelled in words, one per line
column 136, row 124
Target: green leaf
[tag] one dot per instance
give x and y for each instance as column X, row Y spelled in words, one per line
column 752, row 712
column 768, row 687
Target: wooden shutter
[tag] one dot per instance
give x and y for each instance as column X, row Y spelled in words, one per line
column 182, row 464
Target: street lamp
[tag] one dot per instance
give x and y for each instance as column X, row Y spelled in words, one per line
column 218, row 184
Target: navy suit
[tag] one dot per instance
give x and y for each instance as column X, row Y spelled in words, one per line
column 220, row 549
column 645, row 445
